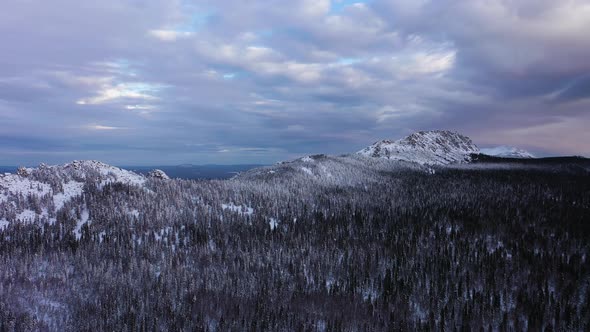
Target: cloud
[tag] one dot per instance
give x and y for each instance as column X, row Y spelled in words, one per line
column 109, row 92
column 101, row 127
column 270, row 80
column 576, row 90
column 169, row 35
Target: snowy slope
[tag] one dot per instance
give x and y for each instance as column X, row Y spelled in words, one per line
column 36, row 194
column 88, row 169
column 438, row 147
column 323, row 170
column 507, row 152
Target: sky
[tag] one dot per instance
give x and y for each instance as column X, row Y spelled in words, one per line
column 156, row 82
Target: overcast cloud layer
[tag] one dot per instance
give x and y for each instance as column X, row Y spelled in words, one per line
column 234, row 81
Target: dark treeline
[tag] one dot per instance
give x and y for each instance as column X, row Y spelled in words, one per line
column 457, row 250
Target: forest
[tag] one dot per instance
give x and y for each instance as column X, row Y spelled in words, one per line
column 335, row 246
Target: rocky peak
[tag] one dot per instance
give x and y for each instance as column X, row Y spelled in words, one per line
column 425, row 147
column 158, row 174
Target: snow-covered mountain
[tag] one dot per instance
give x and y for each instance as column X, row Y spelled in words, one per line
column 507, row 152
column 37, row 194
column 437, row 147
column 325, row 170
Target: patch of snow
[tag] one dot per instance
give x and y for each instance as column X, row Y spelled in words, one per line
column 134, row 213
column 273, row 223
column 326, row 171
column 3, row 224
column 243, row 210
column 307, row 159
column 307, row 170
column 329, row 282
column 71, row 190
column 84, row 216
column 26, row 216
column 14, row 184
column 162, row 233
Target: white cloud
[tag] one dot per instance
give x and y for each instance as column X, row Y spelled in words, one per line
column 519, row 36
column 428, row 63
column 108, row 93
column 102, row 127
column 315, row 7
column 169, row 35
column 139, row 107
column 416, row 62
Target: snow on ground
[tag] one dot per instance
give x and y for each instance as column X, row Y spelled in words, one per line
column 124, row 176
column 3, row 224
column 307, row 159
column 71, row 190
column 243, row 210
column 111, row 173
column 273, row 223
column 134, row 213
column 84, row 218
column 26, row 216
column 25, row 184
column 14, row 184
column 326, row 171
column 307, row 170
column 162, row 233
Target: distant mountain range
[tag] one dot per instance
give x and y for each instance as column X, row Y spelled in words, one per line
column 185, row 171
column 507, row 152
column 436, row 147
column 189, row 171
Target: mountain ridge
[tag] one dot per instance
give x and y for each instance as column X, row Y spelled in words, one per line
column 505, row 151
column 437, row 147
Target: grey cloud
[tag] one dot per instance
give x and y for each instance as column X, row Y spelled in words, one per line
column 578, row 89
column 269, row 80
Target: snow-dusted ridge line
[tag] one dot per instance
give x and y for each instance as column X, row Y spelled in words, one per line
column 437, row 147
column 110, row 174
column 507, row 152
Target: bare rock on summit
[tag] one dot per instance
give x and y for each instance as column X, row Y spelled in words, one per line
column 158, row 174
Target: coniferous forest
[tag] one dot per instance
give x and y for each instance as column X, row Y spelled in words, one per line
column 335, row 247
